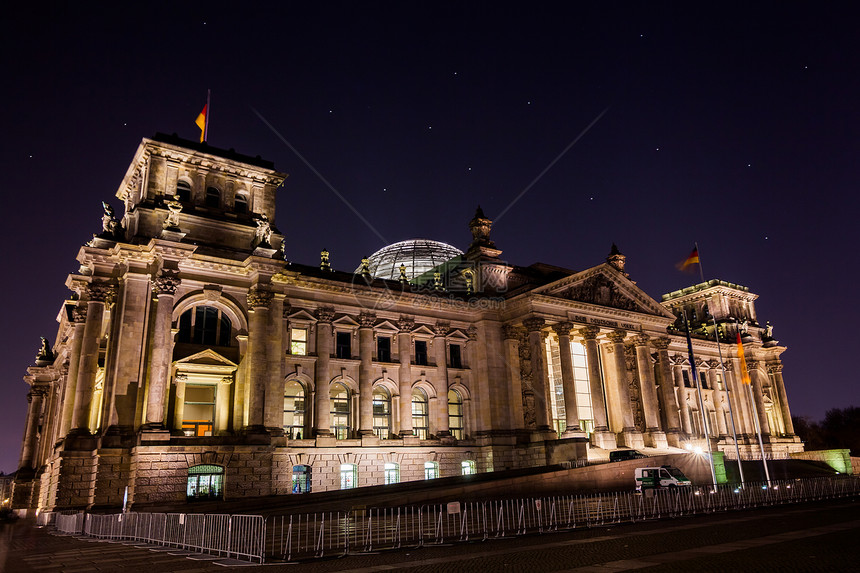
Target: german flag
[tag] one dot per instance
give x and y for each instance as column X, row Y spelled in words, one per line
column 693, row 259
column 745, row 374
column 201, row 122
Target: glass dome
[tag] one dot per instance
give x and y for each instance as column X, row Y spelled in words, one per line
column 418, row 255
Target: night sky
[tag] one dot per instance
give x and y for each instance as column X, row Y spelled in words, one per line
column 732, row 125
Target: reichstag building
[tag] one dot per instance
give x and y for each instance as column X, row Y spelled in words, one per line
column 193, row 361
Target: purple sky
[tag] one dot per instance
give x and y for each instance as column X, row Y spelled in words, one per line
column 734, row 126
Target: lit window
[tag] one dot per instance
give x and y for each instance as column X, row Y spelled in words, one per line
column 199, row 411
column 455, row 414
column 420, row 417
column 348, row 476
column 467, row 467
column 301, row 479
column 294, row 410
column 583, row 387
column 205, row 482
column 339, row 411
column 392, row 473
column 299, row 341
column 381, row 413
column 431, row 470
column 213, row 197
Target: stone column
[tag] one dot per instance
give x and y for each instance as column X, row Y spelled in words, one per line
column 79, row 315
column 630, row 437
column 739, row 395
column 404, row 349
column 678, row 375
column 241, row 384
column 668, row 401
column 571, row 413
column 179, row 403
column 164, row 287
column 222, row 407
column 776, row 370
column 365, row 373
column 258, row 305
column 274, row 416
column 755, row 377
column 654, row 435
column 34, row 409
column 512, row 363
column 89, row 363
column 602, row 436
column 535, row 325
column 322, row 399
column 440, row 347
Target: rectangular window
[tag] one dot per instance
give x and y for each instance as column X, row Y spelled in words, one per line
column 421, row 353
column 343, row 348
column 299, row 341
column 703, row 379
column 686, row 376
column 199, row 412
column 383, row 348
column 456, row 357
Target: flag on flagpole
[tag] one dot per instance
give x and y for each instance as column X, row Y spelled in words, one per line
column 745, row 375
column 201, row 122
column 693, row 259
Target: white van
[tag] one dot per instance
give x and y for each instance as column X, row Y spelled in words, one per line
column 660, row 477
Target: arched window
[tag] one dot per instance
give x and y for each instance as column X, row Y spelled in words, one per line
column 392, row 473
column 213, row 197
column 455, row 414
column 205, row 481
column 339, row 411
column 431, row 470
column 240, row 204
column 381, row 413
column 183, row 191
column 467, row 467
column 294, row 410
column 205, row 325
column 301, row 479
column 348, row 476
column 420, row 417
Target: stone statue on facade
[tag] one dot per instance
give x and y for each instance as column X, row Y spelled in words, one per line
column 263, row 233
column 45, row 354
column 768, row 331
column 111, row 228
column 174, row 207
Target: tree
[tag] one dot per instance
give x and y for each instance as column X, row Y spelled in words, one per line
column 840, row 429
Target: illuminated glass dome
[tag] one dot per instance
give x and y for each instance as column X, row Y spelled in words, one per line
column 418, row 255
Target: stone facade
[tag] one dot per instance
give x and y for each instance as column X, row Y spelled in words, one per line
column 189, row 346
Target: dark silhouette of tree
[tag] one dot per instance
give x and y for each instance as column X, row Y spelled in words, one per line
column 810, row 432
column 840, row 429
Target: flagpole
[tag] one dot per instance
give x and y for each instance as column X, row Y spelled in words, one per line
column 701, row 401
column 725, row 378
column 208, row 113
column 748, row 383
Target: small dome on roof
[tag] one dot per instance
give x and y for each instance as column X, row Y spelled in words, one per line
column 417, row 255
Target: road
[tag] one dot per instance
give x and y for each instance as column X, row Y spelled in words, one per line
column 816, row 536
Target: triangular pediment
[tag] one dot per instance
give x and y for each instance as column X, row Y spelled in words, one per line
column 423, row 330
column 345, row 320
column 386, row 325
column 207, row 357
column 605, row 286
column 301, row 314
column 458, row 334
